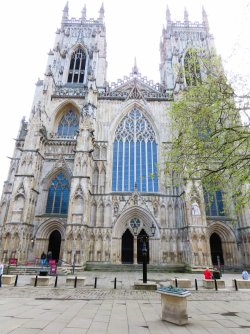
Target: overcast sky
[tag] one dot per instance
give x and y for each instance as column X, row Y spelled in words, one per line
column 134, row 29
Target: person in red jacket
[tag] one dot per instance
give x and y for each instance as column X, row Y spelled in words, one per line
column 207, row 274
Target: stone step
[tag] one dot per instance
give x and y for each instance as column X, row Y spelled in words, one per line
column 34, row 270
column 99, row 266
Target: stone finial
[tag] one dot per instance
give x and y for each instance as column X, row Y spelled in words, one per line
column 186, row 16
column 204, row 18
column 66, row 11
column 168, row 15
column 65, row 15
column 84, row 13
column 135, row 70
column 101, row 12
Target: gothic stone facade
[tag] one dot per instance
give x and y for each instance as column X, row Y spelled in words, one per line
column 88, row 162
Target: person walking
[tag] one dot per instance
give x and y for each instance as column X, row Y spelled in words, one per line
column 1, row 273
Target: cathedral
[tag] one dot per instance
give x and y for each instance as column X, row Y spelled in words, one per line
column 86, row 179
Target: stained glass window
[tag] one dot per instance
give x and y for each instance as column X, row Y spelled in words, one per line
column 68, row 125
column 214, row 204
column 77, row 67
column 134, row 155
column 58, row 195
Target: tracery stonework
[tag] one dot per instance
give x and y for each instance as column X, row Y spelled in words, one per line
column 87, row 164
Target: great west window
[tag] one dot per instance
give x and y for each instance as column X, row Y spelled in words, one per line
column 135, row 155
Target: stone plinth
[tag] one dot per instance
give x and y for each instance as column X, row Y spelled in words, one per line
column 42, row 280
column 70, row 281
column 182, row 283
column 8, row 279
column 145, row 286
column 174, row 307
column 242, row 283
column 210, row 284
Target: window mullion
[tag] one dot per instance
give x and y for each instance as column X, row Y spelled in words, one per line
column 146, row 163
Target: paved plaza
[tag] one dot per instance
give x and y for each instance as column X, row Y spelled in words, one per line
column 26, row 309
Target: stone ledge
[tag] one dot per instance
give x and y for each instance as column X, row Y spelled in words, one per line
column 242, row 283
column 70, row 280
column 182, row 282
column 8, row 279
column 145, row 286
column 42, row 280
column 210, row 284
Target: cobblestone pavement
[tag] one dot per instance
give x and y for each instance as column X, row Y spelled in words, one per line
column 26, row 309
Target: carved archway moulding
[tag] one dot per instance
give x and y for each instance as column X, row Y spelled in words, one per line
column 224, row 232
column 122, row 223
column 47, row 227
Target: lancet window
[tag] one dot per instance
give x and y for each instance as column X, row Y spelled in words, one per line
column 58, row 195
column 214, row 204
column 77, row 66
column 68, row 125
column 134, row 155
column 192, row 68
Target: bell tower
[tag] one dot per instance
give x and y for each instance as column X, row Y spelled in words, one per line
column 79, row 51
column 177, row 39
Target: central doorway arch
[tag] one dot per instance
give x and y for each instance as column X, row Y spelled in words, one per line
column 127, row 247
column 216, row 249
column 55, row 244
column 140, row 245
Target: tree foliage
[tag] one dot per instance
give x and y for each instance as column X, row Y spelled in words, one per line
column 210, row 141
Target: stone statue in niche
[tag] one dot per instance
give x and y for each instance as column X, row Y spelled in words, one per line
column 195, row 209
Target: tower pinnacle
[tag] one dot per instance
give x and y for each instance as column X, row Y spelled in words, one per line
column 168, row 15
column 101, row 12
column 204, row 18
column 84, row 13
column 186, row 16
column 65, row 15
column 135, row 70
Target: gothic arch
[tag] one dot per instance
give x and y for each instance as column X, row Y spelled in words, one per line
column 61, row 110
column 122, row 223
column 64, row 168
column 74, row 49
column 47, row 227
column 225, row 233
column 133, row 105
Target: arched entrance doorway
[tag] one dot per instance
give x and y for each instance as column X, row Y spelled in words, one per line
column 140, row 245
column 127, row 247
column 216, row 249
column 55, row 244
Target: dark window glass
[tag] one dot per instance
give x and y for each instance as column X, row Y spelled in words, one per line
column 134, row 155
column 58, row 195
column 214, row 204
column 77, row 67
column 68, row 125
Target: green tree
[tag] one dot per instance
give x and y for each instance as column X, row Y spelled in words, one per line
column 210, row 142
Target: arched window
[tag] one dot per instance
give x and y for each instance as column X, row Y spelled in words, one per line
column 77, row 66
column 58, row 196
column 192, row 68
column 214, row 204
column 68, row 125
column 134, row 155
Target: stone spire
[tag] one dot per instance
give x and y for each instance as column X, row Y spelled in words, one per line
column 135, row 70
column 101, row 12
column 186, row 16
column 204, row 18
column 65, row 15
column 84, row 13
column 168, row 15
